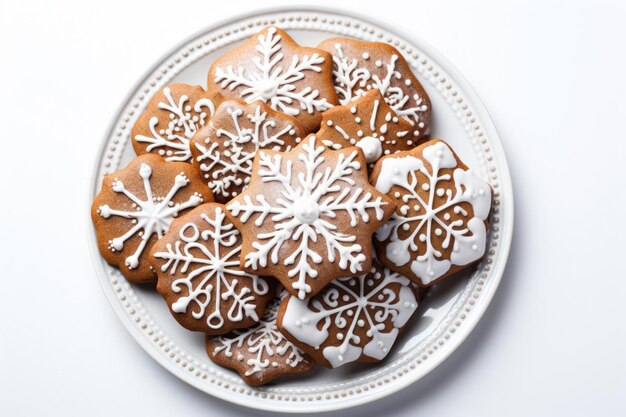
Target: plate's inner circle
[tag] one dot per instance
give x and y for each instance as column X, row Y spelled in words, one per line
column 436, row 327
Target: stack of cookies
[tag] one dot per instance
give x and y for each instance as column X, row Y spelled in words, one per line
column 296, row 210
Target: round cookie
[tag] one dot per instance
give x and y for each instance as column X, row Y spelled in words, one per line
column 261, row 353
column 225, row 148
column 308, row 215
column 369, row 123
column 359, row 66
column 135, row 207
column 440, row 226
column 351, row 319
column 197, row 264
column 172, row 117
column 273, row 68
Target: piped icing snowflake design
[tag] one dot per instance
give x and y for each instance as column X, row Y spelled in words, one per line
column 361, row 66
column 440, row 225
column 352, row 318
column 272, row 68
column 368, row 123
column 225, row 149
column 260, row 353
column 197, row 263
column 172, row 118
column 142, row 210
column 308, row 215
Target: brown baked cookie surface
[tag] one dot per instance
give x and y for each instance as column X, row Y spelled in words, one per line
column 369, row 123
column 360, row 66
column 135, row 207
column 225, row 148
column 351, row 319
column 272, row 67
column 308, row 215
column 172, row 117
column 197, row 264
column 440, row 226
column 261, row 353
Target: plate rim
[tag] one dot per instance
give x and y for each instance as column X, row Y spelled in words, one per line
column 469, row 323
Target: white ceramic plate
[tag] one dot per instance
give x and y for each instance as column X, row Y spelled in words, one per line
column 443, row 320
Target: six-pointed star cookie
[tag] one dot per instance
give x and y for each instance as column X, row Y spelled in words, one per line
column 261, row 353
column 351, row 319
column 369, row 123
column 440, row 225
column 273, row 68
column 173, row 116
column 136, row 206
column 197, row 264
column 359, row 66
column 224, row 149
column 308, row 215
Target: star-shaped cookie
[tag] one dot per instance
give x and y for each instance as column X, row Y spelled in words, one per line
column 308, row 215
column 369, row 123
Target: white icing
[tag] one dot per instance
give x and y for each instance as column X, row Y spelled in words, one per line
column 353, row 80
column 263, row 342
column 173, row 141
column 214, row 253
column 152, row 216
column 303, row 209
column 348, row 304
column 467, row 235
column 372, row 148
column 232, row 167
column 272, row 83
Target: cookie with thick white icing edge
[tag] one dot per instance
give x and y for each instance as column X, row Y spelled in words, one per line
column 440, row 226
column 359, row 66
column 308, row 216
column 260, row 353
column 351, row 319
column 172, row 117
column 197, row 264
column 224, row 149
column 136, row 206
column 369, row 123
column 272, row 67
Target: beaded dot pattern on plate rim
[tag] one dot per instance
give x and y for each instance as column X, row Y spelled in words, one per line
column 428, row 72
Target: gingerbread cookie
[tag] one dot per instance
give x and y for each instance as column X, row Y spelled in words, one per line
column 441, row 224
column 273, row 68
column 135, row 207
column 197, row 264
column 351, row 319
column 369, row 123
column 360, row 66
column 308, row 215
column 261, row 353
column 173, row 116
column 225, row 148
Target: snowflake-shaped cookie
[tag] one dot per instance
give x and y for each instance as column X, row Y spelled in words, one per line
column 351, row 319
column 271, row 67
column 225, row 148
column 136, row 206
column 441, row 223
column 172, row 118
column 360, row 66
column 308, row 215
column 261, row 353
column 369, row 123
column 197, row 264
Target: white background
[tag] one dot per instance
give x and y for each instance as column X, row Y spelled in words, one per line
column 552, row 74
